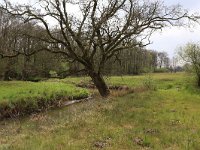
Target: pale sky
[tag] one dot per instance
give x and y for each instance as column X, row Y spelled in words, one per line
column 170, row 38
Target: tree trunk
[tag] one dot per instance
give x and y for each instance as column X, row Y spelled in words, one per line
column 198, row 81
column 6, row 76
column 100, row 84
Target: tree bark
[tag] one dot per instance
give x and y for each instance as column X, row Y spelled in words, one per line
column 100, row 84
column 198, row 81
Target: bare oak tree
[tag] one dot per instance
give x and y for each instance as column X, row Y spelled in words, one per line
column 100, row 29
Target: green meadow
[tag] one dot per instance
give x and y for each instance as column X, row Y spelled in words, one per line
column 166, row 116
column 17, row 97
column 16, row 90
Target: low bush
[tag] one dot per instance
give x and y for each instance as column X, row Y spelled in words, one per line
column 149, row 83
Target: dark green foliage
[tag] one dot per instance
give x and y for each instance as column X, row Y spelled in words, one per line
column 39, row 66
column 161, row 70
column 128, row 62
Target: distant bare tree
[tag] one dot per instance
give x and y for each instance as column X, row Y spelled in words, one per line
column 174, row 64
column 163, row 60
column 190, row 53
column 103, row 28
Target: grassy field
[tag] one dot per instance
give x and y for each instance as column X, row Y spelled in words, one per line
column 159, row 80
column 28, row 96
column 164, row 118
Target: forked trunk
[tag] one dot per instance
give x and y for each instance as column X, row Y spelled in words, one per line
column 100, row 84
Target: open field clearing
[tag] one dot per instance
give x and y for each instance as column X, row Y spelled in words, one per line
column 160, row 80
column 164, row 118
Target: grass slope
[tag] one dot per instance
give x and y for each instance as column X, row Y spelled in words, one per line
column 167, row 118
column 29, row 96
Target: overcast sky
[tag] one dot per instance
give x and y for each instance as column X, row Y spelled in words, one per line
column 170, row 38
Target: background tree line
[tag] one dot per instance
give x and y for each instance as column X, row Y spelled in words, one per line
column 15, row 36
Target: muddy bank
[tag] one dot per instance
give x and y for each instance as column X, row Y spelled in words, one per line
column 24, row 107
